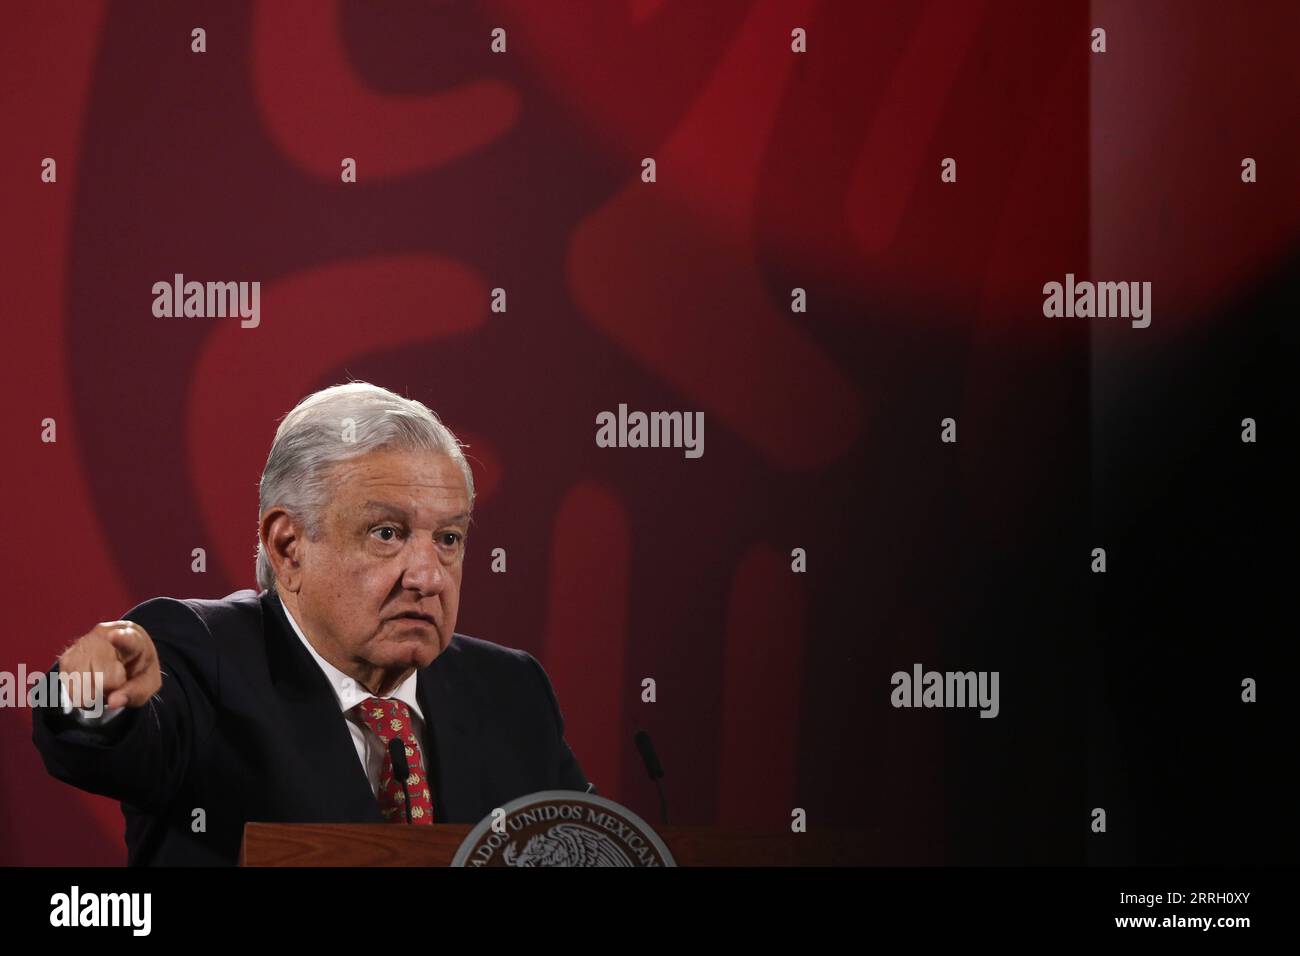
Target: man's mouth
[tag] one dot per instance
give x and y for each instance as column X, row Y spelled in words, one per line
column 412, row 616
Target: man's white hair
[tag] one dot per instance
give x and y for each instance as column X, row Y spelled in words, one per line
column 311, row 441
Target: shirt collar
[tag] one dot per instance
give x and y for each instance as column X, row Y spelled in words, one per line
column 347, row 691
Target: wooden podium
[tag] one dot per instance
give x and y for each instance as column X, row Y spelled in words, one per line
column 382, row 844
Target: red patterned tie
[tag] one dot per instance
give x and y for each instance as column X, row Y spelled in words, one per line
column 391, row 720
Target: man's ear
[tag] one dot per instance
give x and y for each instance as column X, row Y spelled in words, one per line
column 283, row 540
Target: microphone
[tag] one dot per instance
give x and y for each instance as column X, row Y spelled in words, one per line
column 654, row 768
column 401, row 769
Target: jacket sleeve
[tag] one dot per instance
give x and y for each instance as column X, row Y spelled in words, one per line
column 568, row 772
column 142, row 756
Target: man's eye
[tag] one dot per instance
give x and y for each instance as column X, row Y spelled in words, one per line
column 389, row 529
column 450, row 539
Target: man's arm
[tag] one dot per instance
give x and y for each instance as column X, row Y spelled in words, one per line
column 569, row 775
column 142, row 754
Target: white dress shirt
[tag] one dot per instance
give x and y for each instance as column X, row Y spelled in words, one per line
column 370, row 749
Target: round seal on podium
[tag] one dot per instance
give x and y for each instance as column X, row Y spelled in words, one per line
column 562, row 828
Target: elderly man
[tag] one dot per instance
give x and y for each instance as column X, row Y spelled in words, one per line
column 302, row 702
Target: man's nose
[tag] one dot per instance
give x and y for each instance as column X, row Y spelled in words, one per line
column 424, row 572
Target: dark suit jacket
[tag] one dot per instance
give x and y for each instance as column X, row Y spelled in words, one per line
column 247, row 728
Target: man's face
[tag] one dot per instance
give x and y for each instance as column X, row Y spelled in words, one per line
column 392, row 543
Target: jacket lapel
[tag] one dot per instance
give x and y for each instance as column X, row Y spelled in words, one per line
column 340, row 792
column 447, row 696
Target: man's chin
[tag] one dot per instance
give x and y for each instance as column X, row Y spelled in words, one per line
column 412, row 650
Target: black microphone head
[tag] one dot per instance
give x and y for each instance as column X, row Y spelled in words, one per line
column 648, row 755
column 397, row 749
